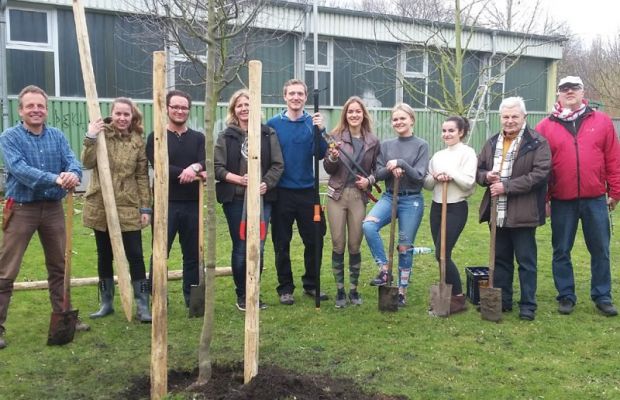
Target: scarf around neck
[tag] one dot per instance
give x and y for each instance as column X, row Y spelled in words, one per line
column 503, row 165
column 566, row 114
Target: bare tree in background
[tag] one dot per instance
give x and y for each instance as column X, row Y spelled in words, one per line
column 598, row 65
column 448, row 53
column 529, row 16
column 221, row 28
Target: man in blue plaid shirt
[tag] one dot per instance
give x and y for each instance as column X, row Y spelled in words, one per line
column 40, row 168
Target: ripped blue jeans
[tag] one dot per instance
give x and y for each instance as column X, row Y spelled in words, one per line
column 409, row 215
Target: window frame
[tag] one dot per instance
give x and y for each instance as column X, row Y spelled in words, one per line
column 329, row 67
column 407, row 74
column 52, row 40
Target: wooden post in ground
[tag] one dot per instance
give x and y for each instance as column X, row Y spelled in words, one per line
column 103, row 164
column 252, row 283
column 159, row 329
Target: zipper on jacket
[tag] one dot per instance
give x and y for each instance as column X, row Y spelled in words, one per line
column 577, row 159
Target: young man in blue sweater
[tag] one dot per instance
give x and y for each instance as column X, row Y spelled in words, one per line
column 295, row 202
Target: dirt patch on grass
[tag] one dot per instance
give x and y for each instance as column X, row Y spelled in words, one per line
column 271, row 383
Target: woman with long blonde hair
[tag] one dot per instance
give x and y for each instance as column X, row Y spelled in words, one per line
column 231, row 167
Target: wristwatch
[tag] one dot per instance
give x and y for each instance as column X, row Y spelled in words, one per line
column 195, row 168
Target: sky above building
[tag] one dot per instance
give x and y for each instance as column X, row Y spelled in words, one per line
column 587, row 19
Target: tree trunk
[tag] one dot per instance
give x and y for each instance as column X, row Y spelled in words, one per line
column 211, row 95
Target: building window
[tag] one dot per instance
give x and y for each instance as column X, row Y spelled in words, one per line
column 325, row 70
column 414, row 71
column 496, row 81
column 29, row 27
column 31, row 55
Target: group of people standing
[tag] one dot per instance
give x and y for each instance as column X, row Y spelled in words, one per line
column 571, row 168
column 568, row 168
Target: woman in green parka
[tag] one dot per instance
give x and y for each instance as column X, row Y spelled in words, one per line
column 129, row 169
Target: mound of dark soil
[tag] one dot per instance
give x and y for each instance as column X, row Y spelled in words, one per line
column 271, row 383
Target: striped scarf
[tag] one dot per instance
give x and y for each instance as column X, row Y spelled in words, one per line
column 503, row 165
column 566, row 114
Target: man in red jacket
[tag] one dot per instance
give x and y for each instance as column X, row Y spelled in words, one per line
column 584, row 185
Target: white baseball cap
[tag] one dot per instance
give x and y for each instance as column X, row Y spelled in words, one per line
column 570, row 80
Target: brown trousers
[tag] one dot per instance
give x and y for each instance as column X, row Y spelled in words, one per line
column 46, row 218
column 345, row 217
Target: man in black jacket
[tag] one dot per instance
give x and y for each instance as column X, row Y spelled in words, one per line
column 186, row 161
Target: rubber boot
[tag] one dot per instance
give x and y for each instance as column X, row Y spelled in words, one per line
column 106, row 289
column 141, row 294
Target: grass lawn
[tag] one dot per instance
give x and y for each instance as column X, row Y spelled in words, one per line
column 406, row 353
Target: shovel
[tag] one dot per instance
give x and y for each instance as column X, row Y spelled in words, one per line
column 388, row 294
column 62, row 323
column 491, row 297
column 197, row 292
column 441, row 294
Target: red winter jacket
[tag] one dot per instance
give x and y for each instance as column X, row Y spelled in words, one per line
column 585, row 164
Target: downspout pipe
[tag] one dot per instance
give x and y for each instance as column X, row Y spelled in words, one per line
column 4, row 97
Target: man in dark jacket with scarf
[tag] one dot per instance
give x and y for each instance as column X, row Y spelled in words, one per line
column 584, row 185
column 514, row 165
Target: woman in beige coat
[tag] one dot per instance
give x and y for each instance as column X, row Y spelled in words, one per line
column 129, row 169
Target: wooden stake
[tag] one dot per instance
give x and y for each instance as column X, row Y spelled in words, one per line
column 159, row 330
column 103, row 164
column 252, row 282
column 91, row 281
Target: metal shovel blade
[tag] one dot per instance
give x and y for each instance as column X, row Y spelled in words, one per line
column 388, row 298
column 491, row 304
column 197, row 301
column 440, row 299
column 62, row 327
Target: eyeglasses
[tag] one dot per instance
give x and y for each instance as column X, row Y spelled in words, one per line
column 179, row 108
column 566, row 88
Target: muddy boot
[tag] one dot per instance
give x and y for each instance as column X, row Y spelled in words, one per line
column 106, row 289
column 141, row 294
column 458, row 304
column 81, row 326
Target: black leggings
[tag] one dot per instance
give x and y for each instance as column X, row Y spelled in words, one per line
column 456, row 218
column 132, row 242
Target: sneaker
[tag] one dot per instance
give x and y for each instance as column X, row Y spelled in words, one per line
column 402, row 300
column 355, row 298
column 526, row 314
column 287, row 299
column 312, row 293
column 607, row 309
column 566, row 306
column 240, row 303
column 81, row 326
column 341, row 299
column 381, row 279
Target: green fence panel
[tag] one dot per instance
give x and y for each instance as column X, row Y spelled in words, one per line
column 71, row 116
